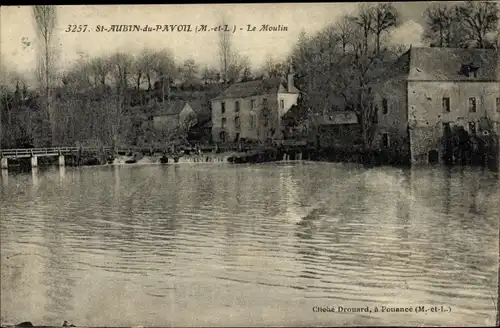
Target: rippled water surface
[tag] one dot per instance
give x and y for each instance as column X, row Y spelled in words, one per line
column 219, row 245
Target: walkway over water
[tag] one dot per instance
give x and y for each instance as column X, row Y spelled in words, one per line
column 54, row 151
column 34, row 153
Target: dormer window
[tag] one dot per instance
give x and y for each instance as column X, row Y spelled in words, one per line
column 468, row 69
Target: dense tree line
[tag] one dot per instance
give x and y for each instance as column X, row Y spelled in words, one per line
column 341, row 66
column 103, row 100
column 463, row 25
column 338, row 67
column 107, row 100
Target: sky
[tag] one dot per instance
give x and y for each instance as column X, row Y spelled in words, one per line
column 202, row 47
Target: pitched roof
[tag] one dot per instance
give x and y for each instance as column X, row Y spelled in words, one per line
column 257, row 87
column 202, row 110
column 445, row 64
column 171, row 108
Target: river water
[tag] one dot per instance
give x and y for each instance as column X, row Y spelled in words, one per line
column 220, row 245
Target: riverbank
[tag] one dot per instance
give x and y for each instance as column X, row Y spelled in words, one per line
column 262, row 155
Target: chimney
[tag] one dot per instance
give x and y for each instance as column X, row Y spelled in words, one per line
column 290, row 85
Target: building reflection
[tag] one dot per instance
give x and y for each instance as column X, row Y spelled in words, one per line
column 58, row 273
column 5, row 178
column 35, row 178
column 62, row 175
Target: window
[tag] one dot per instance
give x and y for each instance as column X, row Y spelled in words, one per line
column 222, row 107
column 498, row 105
column 222, row 136
column 385, row 139
column 237, row 122
column 472, row 104
column 472, row 127
column 385, row 106
column 223, row 123
column 264, row 102
column 252, row 104
column 237, row 106
column 375, row 115
column 446, row 104
column 252, row 121
column 282, row 104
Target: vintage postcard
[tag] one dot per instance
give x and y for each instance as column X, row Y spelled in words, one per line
column 250, row 165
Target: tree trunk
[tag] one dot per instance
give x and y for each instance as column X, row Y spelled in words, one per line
column 139, row 81
column 50, row 110
column 366, row 42
column 103, row 83
column 149, row 82
column 163, row 91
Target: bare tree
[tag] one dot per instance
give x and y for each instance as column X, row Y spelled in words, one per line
column 274, row 68
column 45, row 22
column 100, row 68
column 226, row 52
column 236, row 67
column 345, row 31
column 121, row 68
column 210, row 75
column 365, row 20
column 144, row 67
column 246, row 75
column 479, row 18
column 442, row 28
column 398, row 49
column 385, row 17
column 190, row 71
column 164, row 67
column 342, row 72
column 206, row 75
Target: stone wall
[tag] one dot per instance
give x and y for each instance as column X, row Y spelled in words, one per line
column 251, row 121
column 424, row 140
column 427, row 114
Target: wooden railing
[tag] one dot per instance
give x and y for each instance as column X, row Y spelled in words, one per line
column 26, row 152
column 53, row 151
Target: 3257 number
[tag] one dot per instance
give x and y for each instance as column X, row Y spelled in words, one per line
column 76, row 28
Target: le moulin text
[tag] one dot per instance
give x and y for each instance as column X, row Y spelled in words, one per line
column 176, row 28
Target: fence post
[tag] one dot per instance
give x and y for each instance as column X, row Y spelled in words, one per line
column 4, row 163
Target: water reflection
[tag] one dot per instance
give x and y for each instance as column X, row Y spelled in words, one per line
column 62, row 174
column 35, row 178
column 5, row 177
column 122, row 245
